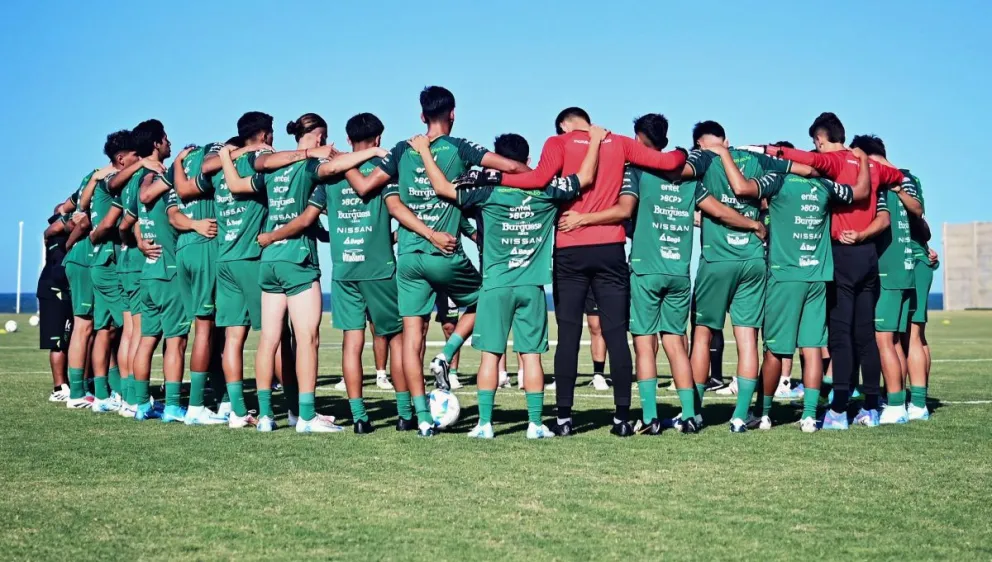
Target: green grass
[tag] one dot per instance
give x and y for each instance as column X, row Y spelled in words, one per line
column 82, row 486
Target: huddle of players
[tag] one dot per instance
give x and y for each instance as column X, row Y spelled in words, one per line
column 226, row 237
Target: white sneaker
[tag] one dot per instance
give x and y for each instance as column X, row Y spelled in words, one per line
column 224, row 409
column 729, row 390
column 60, row 395
column 340, row 385
column 482, row 432
column 738, row 425
column 916, row 413
column 237, row 422
column 292, row 419
column 201, row 415
column 535, row 431
column 453, row 381
column 599, row 383
column 79, row 403
column 319, row 424
column 382, row 381
column 784, row 389
column 808, row 425
column 504, row 380
column 550, row 386
column 893, row 415
column 265, row 424
column 105, row 406
column 765, row 423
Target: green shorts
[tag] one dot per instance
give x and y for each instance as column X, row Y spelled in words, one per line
column 734, row 286
column 892, row 310
column 81, row 287
column 164, row 312
column 420, row 275
column 659, row 303
column 795, row 316
column 354, row 301
column 239, row 298
column 131, row 291
column 287, row 278
column 522, row 309
column 108, row 298
column 923, row 275
column 198, row 278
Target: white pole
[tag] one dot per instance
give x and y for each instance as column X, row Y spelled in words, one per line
column 20, row 259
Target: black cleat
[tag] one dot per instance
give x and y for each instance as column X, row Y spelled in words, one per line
column 622, row 429
column 363, row 427
column 406, row 425
column 653, row 427
column 441, row 370
column 689, row 426
column 561, row 430
column 713, row 384
column 426, row 431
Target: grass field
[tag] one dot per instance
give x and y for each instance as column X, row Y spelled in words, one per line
column 81, row 486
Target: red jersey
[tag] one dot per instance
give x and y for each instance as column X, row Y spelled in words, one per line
column 563, row 155
column 842, row 167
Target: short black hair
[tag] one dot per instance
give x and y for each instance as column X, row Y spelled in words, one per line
column 871, row 144
column 784, row 144
column 829, row 123
column 254, row 122
column 118, row 142
column 363, row 127
column 568, row 113
column 655, row 127
column 436, row 103
column 146, row 134
column 512, row 146
column 235, row 141
column 707, row 128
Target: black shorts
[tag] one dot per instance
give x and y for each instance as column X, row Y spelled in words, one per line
column 592, row 309
column 55, row 315
column 447, row 311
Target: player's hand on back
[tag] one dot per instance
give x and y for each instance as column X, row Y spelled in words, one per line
column 185, row 152
column 932, row 256
column 152, row 165
column 206, row 227
column 570, row 220
column 323, row 152
column 421, row 144
column 597, row 133
column 149, row 249
column 265, row 239
column 103, row 172
column 443, row 241
column 760, row 231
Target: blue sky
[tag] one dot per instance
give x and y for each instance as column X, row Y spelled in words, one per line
column 916, row 73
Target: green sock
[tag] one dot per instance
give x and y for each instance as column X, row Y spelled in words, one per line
column 828, row 380
column 918, row 396
column 139, row 389
column 452, row 346
column 307, row 409
column 648, row 391
column 197, row 385
column 173, row 390
column 265, row 403
column 745, row 390
column 403, row 406
column 810, row 399
column 487, row 400
column 535, row 406
column 76, row 388
column 100, row 388
column 114, row 379
column 897, row 398
column 423, row 410
column 687, row 397
column 358, row 413
column 766, row 405
column 237, row 392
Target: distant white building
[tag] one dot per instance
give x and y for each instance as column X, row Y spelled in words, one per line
column 967, row 266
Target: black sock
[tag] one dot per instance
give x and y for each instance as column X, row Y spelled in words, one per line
column 871, row 401
column 622, row 413
column 841, row 398
column 564, row 413
column 598, row 367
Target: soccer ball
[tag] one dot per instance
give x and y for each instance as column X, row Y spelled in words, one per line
column 10, row 326
column 34, row 320
column 444, row 408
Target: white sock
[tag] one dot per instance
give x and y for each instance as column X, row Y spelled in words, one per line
column 380, row 374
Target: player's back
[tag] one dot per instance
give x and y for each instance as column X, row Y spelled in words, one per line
column 604, row 192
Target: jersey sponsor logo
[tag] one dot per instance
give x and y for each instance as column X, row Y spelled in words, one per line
column 671, row 254
column 522, row 228
column 808, row 261
column 351, row 201
column 354, row 215
column 352, row 256
column 809, row 208
column 353, row 229
column 671, row 212
column 349, row 241
column 737, row 239
column 810, row 222
column 804, row 247
column 424, row 193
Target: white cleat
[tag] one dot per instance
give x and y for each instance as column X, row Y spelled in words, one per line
column 729, row 390
column 127, row 410
column 382, row 381
column 105, row 406
column 79, row 403
column 482, row 432
column 809, row 425
column 292, row 419
column 599, row 383
column 224, row 409
column 784, row 389
column 319, row 424
column 201, row 415
column 60, row 395
column 551, row 386
column 765, row 423
column 454, row 382
column 535, row 431
column 504, row 380
column 340, row 385
column 893, row 415
column 238, row 422
column 915, row 413
column 265, row 424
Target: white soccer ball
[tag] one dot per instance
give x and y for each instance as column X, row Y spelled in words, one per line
column 34, row 320
column 444, row 408
column 10, row 326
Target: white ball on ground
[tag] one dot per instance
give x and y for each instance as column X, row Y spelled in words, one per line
column 10, row 326
column 34, row 320
column 444, row 408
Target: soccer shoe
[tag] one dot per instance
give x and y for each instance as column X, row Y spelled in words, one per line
column 599, row 383
column 671, row 387
column 798, row 392
column 676, row 423
column 622, row 429
column 784, row 389
column 382, row 382
column 712, row 384
column 80, row 403
column 689, row 426
column 291, row 418
column 752, row 421
column 808, row 425
column 654, row 427
column 915, row 413
column 173, row 414
column 105, row 406
column 201, row 415
column 405, row 425
column 535, row 431
column 893, row 415
column 363, row 427
column 551, row 386
column 276, row 386
column 151, row 410
column 504, row 380
column 340, row 385
column 426, row 430
column 127, row 411
column 482, row 432
column 562, row 429
column 265, row 424
column 834, row 420
column 441, row 369
column 738, row 425
column 765, row 423
column 224, row 409
column 867, row 418
column 319, row 424
column 729, row 390
column 59, row 395
column 235, row 421
column 454, row 382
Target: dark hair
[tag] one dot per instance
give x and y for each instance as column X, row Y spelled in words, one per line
column 118, row 142
column 306, row 123
column 254, row 122
column 655, row 127
column 784, row 144
column 235, row 141
column 568, row 113
column 512, row 146
column 145, row 135
column 436, row 103
column 871, row 144
column 830, row 124
column 363, row 127
column 707, row 128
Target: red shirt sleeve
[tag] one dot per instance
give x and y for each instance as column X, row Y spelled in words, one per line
column 823, row 163
column 640, row 155
column 552, row 161
column 888, row 175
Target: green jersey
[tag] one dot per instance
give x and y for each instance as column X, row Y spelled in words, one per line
column 361, row 241
column 921, row 252
column 104, row 252
column 239, row 217
column 662, row 240
column 289, row 191
column 153, row 219
column 202, row 206
column 519, row 226
column 720, row 242
column 404, row 165
column 895, row 253
column 130, row 259
column 799, row 214
column 80, row 253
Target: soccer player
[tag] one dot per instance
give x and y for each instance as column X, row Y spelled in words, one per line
column 447, row 317
column 430, row 256
column 55, row 305
column 591, row 257
column 660, row 254
column 520, row 225
column 800, row 263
